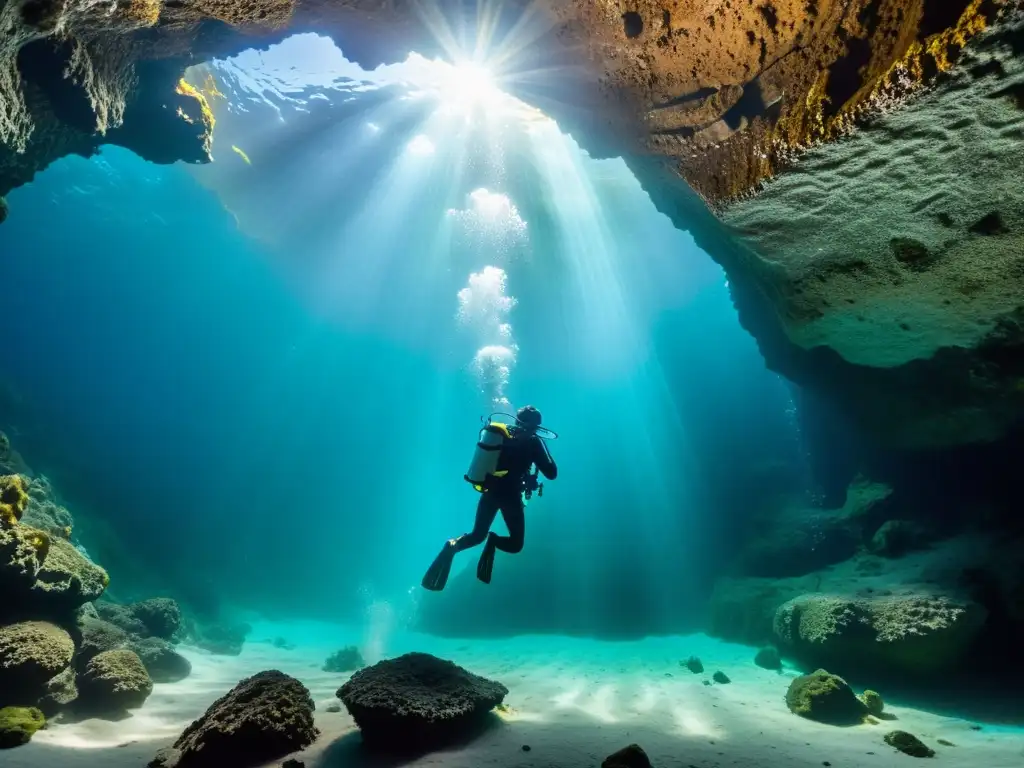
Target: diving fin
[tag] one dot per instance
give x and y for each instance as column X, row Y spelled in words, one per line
column 437, row 574
column 486, row 564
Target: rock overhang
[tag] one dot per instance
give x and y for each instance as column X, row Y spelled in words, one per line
column 718, row 107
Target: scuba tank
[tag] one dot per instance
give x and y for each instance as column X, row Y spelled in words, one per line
column 485, row 459
column 484, row 464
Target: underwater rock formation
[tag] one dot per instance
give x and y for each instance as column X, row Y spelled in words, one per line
column 161, row 616
column 66, row 580
column 872, row 291
column 345, row 660
column 911, row 633
column 897, row 537
column 798, row 539
column 263, row 718
column 768, row 658
column 825, row 698
column 873, row 702
column 114, row 681
column 908, row 744
column 912, row 615
column 32, row 653
column 13, row 500
column 162, row 662
column 632, row 756
column 18, row 725
column 97, row 636
column 122, row 617
column 222, row 639
column 418, row 701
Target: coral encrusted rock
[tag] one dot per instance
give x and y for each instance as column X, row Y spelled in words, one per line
column 909, row 633
column 31, row 654
column 123, row 617
column 263, row 718
column 114, row 681
column 418, row 701
column 18, row 725
column 768, row 658
column 161, row 616
column 97, row 636
column 13, row 499
column 825, row 698
column 872, row 700
column 223, row 639
column 66, row 580
column 164, row 664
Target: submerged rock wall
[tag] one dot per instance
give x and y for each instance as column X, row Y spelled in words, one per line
column 858, row 154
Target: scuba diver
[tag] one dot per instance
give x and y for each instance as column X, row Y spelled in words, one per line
column 501, row 473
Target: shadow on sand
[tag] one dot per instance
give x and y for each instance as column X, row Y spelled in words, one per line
column 351, row 752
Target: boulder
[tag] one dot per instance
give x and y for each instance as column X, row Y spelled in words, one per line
column 60, row 691
column 32, row 653
column 98, row 636
column 825, row 698
column 22, row 550
column 627, row 757
column 262, row 719
column 345, row 660
column 122, row 616
column 162, row 662
column 873, row 703
column 418, row 701
column 223, row 639
column 914, row 632
column 114, row 681
column 768, row 658
column 18, row 725
column 908, row 744
column 66, row 580
column 161, row 616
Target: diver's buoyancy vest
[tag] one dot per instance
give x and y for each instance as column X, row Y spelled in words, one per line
column 485, row 459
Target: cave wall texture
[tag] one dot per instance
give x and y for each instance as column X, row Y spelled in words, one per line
column 854, row 165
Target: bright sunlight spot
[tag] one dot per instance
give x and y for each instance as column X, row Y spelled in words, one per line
column 421, row 145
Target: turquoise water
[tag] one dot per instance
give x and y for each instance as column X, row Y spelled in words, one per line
column 255, row 376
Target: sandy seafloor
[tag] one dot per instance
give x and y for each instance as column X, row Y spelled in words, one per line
column 573, row 702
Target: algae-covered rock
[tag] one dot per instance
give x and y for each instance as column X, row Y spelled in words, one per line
column 13, row 500
column 910, row 633
column 66, row 580
column 263, row 718
column 161, row 616
column 98, row 636
column 114, row 681
column 22, row 550
column 825, row 698
column 31, row 654
column 123, row 617
column 873, row 702
column 632, row 756
column 345, row 660
column 18, row 725
column 418, row 700
column 693, row 664
column 721, row 678
column 59, row 692
column 162, row 662
column 768, row 658
column 908, row 744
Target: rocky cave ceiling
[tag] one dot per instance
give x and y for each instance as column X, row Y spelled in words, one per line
column 854, row 165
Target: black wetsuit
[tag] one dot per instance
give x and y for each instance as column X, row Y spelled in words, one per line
column 504, row 494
